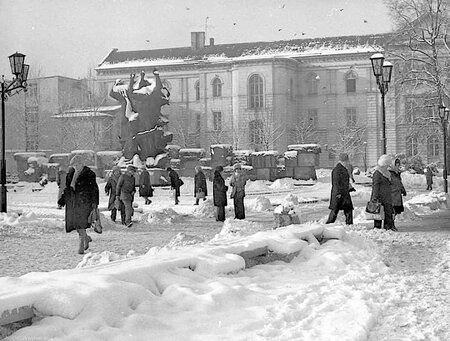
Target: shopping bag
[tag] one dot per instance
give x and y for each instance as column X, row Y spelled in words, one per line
column 373, row 206
column 94, row 220
column 200, row 195
column 376, row 216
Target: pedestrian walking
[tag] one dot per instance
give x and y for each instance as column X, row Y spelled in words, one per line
column 145, row 186
column 238, row 182
column 110, row 189
column 340, row 198
column 200, row 188
column 219, row 193
column 175, row 184
column 61, row 182
column 80, row 197
column 429, row 177
column 382, row 191
column 125, row 190
column 397, row 189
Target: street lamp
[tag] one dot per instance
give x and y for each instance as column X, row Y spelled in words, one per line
column 383, row 72
column 443, row 115
column 20, row 71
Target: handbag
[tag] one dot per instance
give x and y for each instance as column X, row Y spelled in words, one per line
column 94, row 220
column 200, row 195
column 374, row 210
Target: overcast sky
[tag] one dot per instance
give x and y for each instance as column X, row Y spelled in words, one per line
column 68, row 37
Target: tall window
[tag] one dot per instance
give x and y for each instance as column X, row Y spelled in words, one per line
column 350, row 81
column 411, row 146
column 198, row 123
column 350, row 116
column 255, row 130
column 197, row 90
column 313, row 117
column 217, row 87
column 217, row 120
column 433, row 146
column 255, row 92
column 312, row 82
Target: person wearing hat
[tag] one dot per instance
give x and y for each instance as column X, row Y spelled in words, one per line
column 145, row 186
column 80, row 197
column 340, row 198
column 219, row 193
column 125, row 189
column 175, row 184
column 238, row 182
column 382, row 192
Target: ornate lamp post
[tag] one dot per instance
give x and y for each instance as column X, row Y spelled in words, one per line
column 20, row 71
column 383, row 72
column 443, row 115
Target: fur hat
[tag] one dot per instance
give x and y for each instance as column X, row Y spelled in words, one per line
column 343, row 157
column 384, row 160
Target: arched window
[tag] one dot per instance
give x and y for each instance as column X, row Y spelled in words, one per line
column 433, row 146
column 217, row 87
column 255, row 129
column 197, row 90
column 255, row 92
column 350, row 81
column 411, row 146
column 312, row 82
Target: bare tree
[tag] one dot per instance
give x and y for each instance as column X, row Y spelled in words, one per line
column 421, row 46
column 265, row 131
column 350, row 139
column 304, row 131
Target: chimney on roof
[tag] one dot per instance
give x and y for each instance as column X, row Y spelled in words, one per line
column 197, row 40
column 211, row 42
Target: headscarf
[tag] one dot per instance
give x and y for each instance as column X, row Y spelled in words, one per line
column 76, row 160
column 383, row 163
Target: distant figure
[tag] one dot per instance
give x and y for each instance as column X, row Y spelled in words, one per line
column 238, row 182
column 80, row 197
column 110, row 189
column 175, row 184
column 200, row 188
column 145, row 186
column 397, row 189
column 340, row 198
column 382, row 191
column 61, row 182
column 125, row 190
column 429, row 177
column 219, row 193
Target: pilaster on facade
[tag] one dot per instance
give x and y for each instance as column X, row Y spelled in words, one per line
column 373, row 128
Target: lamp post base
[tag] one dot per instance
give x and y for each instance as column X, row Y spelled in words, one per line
column 3, row 198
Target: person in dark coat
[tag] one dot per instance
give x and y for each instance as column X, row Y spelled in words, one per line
column 382, row 191
column 200, row 188
column 61, row 182
column 80, row 197
column 125, row 190
column 429, row 177
column 340, row 198
column 219, row 193
column 145, row 186
column 175, row 184
column 397, row 188
column 110, row 189
column 238, row 182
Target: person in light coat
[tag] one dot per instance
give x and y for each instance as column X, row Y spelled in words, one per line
column 238, row 182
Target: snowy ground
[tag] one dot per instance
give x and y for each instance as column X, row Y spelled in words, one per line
column 367, row 285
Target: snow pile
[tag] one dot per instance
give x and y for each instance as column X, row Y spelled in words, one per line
column 259, row 204
column 290, row 200
column 237, row 228
column 162, row 217
column 432, row 200
column 27, row 223
column 182, row 239
column 256, row 186
column 419, row 180
column 205, row 209
column 282, row 184
column 104, row 257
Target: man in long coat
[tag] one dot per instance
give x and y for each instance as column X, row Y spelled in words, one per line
column 200, row 185
column 340, row 196
column 238, row 182
column 125, row 190
column 175, row 183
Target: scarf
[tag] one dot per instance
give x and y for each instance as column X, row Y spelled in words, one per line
column 74, row 179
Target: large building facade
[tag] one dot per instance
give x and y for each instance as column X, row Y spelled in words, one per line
column 264, row 96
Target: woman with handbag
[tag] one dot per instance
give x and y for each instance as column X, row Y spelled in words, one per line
column 200, row 188
column 382, row 191
column 145, row 186
column 81, row 197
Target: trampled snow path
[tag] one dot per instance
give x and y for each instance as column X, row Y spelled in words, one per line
column 420, row 263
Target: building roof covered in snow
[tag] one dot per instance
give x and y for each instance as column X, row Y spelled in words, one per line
column 243, row 51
